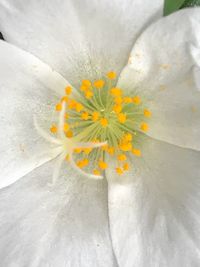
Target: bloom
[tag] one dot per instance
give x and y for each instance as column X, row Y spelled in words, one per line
column 154, row 206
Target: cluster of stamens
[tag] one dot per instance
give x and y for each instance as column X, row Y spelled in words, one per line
column 100, row 113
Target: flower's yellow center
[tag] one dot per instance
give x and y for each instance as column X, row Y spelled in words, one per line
column 101, row 112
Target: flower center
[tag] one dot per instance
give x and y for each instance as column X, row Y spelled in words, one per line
column 100, row 112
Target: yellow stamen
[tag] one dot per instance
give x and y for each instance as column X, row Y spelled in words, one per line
column 122, row 117
column 69, row 134
column 85, row 116
column 111, row 75
column 136, row 152
column 117, row 108
column 65, row 99
column 127, row 100
column 126, row 166
column 136, row 100
column 87, row 83
column 96, row 172
column 125, row 147
column 66, row 127
column 121, row 157
column 83, row 88
column 119, row 170
column 144, row 127
column 53, row 129
column 89, row 94
column 103, row 165
column 95, row 115
column 111, row 150
column 99, row 84
column 79, row 107
column 58, row 107
column 116, row 91
column 87, row 150
column 147, row 113
column 68, row 90
column 118, row 100
column 104, row 122
column 128, row 137
column 78, row 150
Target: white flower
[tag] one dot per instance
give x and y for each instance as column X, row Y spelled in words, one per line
column 153, row 208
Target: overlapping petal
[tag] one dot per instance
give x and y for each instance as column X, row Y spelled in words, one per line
column 154, row 209
column 161, row 68
column 78, row 38
column 65, row 225
column 28, row 87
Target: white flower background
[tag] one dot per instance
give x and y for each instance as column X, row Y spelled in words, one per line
column 151, row 215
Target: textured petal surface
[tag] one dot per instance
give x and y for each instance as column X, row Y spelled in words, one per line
column 78, row 38
column 65, row 225
column 27, row 88
column 155, row 209
column 161, row 69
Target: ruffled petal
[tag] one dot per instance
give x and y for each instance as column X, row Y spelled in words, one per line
column 161, row 69
column 65, row 225
column 154, row 209
column 80, row 39
column 28, row 88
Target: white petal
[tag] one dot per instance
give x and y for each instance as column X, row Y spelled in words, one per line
column 78, row 37
column 28, row 87
column 161, row 69
column 176, row 114
column 65, row 225
column 154, row 209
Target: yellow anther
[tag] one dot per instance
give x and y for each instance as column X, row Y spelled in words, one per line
column 118, row 100
column 58, row 107
column 69, row 134
column 104, row 148
column 67, row 158
column 83, row 88
column 66, row 116
column 96, row 172
column 121, row 157
column 85, row 162
column 78, row 150
column 104, row 122
column 111, row 150
column 125, row 147
column 89, row 94
column 117, row 108
column 119, row 170
column 87, row 150
column 136, row 152
column 128, row 137
column 144, row 127
column 122, row 117
column 87, row 83
column 115, row 91
column 95, row 115
column 147, row 113
column 68, row 90
column 71, row 104
column 99, row 84
column 126, row 166
column 127, row 100
column 65, row 127
column 136, row 100
column 53, row 129
column 79, row 107
column 103, row 165
column 82, row 163
column 111, row 75
column 85, row 116
column 65, row 99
